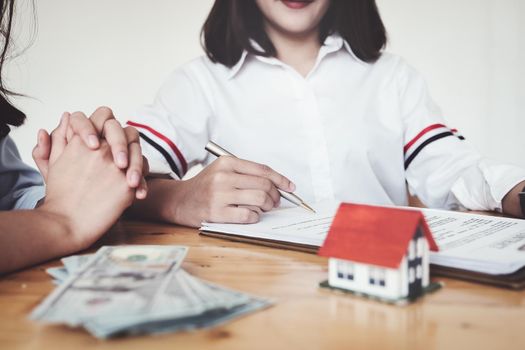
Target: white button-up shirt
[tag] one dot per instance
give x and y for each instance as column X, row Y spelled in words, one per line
column 351, row 131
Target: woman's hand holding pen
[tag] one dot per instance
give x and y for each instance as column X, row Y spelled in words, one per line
column 230, row 190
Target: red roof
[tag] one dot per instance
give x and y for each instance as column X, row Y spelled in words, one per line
column 373, row 235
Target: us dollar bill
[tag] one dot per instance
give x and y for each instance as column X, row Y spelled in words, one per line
column 120, row 280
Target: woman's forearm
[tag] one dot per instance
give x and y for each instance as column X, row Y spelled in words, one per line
column 511, row 202
column 160, row 204
column 28, row 237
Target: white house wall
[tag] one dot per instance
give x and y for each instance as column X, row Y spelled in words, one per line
column 393, row 288
column 403, row 271
column 425, row 263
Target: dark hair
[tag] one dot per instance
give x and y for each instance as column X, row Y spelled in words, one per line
column 232, row 23
column 9, row 115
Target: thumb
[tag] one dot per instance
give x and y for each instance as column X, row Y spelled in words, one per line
column 42, row 151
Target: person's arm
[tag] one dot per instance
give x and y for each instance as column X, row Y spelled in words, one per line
column 229, row 190
column 21, row 187
column 441, row 168
column 511, row 201
column 85, row 195
column 174, row 131
column 28, row 237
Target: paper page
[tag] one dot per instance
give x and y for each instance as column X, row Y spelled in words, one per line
column 477, row 242
column 468, row 241
column 295, row 225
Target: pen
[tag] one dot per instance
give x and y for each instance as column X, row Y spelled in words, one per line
column 218, row 151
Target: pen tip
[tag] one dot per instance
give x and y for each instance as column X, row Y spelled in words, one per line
column 307, row 207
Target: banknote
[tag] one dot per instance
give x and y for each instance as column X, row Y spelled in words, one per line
column 130, row 290
column 73, row 263
column 187, row 303
column 120, row 279
column 59, row 274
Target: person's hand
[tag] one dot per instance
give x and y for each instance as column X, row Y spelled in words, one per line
column 230, row 190
column 124, row 144
column 86, row 190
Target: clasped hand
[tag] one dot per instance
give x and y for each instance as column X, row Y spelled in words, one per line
column 101, row 125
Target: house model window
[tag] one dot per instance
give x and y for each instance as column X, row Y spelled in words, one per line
column 379, row 251
column 345, row 270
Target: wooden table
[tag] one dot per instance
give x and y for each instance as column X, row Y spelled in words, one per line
column 461, row 315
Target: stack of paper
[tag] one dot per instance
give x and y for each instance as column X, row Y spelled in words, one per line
column 479, row 243
column 137, row 289
column 486, row 244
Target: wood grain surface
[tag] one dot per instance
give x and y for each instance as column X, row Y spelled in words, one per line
column 460, row 316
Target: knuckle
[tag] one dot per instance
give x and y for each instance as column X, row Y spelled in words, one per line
column 132, row 132
column 113, row 123
column 119, row 144
column 245, row 215
column 261, row 199
column 284, row 181
column 218, row 178
column 78, row 118
column 266, row 185
column 224, row 162
column 104, row 110
column 265, row 170
column 77, row 114
column 268, row 204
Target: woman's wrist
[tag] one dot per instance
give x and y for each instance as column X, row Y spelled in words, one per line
column 174, row 207
column 511, row 202
column 163, row 201
column 62, row 226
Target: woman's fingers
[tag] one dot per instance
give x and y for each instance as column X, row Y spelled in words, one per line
column 59, row 138
column 145, row 166
column 142, row 190
column 117, row 138
column 107, row 126
column 138, row 167
column 42, row 151
column 80, row 125
column 100, row 116
column 237, row 215
column 254, row 198
column 255, row 169
column 249, row 182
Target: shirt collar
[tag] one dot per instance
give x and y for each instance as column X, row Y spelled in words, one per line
column 332, row 43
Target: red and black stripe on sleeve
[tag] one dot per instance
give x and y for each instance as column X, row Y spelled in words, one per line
column 424, row 138
column 164, row 146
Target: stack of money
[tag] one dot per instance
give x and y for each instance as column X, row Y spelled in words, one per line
column 123, row 290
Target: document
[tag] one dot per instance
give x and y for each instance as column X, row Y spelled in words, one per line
column 479, row 243
column 293, row 225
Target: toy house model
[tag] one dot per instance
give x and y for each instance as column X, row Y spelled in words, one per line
column 377, row 251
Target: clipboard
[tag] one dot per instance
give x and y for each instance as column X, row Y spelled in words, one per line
column 304, row 248
column 514, row 281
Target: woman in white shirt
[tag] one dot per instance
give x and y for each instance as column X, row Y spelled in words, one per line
column 92, row 168
column 304, row 87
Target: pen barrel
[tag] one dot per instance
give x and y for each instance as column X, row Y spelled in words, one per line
column 290, row 197
column 217, row 150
